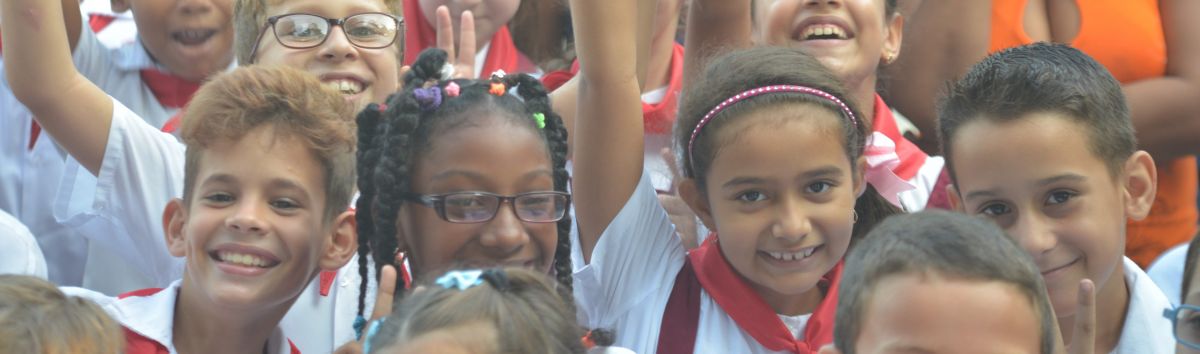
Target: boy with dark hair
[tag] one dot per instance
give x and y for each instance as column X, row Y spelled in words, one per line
column 1038, row 139
column 269, row 177
column 899, row 280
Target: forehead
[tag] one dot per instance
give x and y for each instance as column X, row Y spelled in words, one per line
column 262, row 154
column 326, row 8
column 1035, row 146
column 779, row 136
column 928, row 313
column 488, row 146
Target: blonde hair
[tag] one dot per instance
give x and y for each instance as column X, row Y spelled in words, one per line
column 249, row 17
column 522, row 305
column 290, row 101
column 35, row 317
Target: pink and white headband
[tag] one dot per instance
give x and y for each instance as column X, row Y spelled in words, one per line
column 744, row 95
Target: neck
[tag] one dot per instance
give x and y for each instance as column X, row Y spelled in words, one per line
column 658, row 70
column 1112, row 303
column 790, row 304
column 201, row 326
column 864, row 99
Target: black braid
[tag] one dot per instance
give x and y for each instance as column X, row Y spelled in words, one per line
column 368, row 156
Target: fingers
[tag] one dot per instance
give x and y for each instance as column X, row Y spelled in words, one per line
column 445, row 31
column 668, row 156
column 466, row 45
column 386, row 292
column 1083, row 338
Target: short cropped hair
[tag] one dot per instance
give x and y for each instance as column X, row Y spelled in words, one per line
column 936, row 242
column 292, row 102
column 36, row 317
column 1042, row 78
column 249, row 17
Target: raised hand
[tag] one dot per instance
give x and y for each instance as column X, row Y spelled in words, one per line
column 462, row 57
column 1083, row 336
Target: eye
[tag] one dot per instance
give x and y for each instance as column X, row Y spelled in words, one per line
column 285, row 204
column 1059, row 197
column 219, row 198
column 751, row 196
column 819, row 187
column 994, row 209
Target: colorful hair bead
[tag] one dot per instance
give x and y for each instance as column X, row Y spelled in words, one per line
column 452, row 89
column 540, row 119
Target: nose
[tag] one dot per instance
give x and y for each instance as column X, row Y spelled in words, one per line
column 196, row 7
column 792, row 222
column 505, row 233
column 337, row 46
column 823, row 2
column 1034, row 233
column 247, row 218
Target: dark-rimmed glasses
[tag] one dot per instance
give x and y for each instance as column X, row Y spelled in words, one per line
column 1185, row 324
column 477, row 207
column 370, row 30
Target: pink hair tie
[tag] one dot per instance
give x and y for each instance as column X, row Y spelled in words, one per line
column 744, row 95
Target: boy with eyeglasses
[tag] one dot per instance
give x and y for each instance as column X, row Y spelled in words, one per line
column 139, row 169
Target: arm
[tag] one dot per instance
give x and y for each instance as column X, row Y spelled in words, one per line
column 1166, row 110
column 943, row 39
column 714, row 26
column 608, row 136
column 37, row 60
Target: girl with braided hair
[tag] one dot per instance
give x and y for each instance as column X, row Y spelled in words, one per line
column 463, row 173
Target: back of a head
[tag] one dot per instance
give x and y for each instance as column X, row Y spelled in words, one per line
column 291, row 102
column 36, row 317
column 521, row 306
column 947, row 244
column 1041, row 78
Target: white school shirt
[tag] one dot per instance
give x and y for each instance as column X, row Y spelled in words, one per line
column 121, row 31
column 1145, row 331
column 153, row 316
column 626, row 286
column 20, row 254
column 28, row 177
column 1167, row 272
column 122, row 209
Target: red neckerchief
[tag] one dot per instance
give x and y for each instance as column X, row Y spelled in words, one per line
column 138, row 344
column 752, row 314
column 657, row 117
column 170, row 90
column 911, row 157
column 502, row 53
column 97, row 22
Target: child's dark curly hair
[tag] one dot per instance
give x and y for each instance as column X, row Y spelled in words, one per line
column 391, row 138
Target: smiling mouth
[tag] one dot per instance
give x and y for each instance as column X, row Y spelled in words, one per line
column 345, row 86
column 242, row 259
column 1064, row 266
column 822, row 31
column 793, row 256
column 193, row 37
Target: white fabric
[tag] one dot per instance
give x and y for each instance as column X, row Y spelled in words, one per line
column 20, row 254
column 796, row 324
column 925, row 180
column 629, row 280
column 1145, row 329
column 153, row 316
column 27, row 177
column 121, row 31
column 122, row 209
column 1167, row 272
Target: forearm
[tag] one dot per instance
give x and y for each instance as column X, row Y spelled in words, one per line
column 1166, row 115
column 714, row 26
column 40, row 71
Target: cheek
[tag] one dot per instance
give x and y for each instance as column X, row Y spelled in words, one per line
column 429, row 9
column 503, row 9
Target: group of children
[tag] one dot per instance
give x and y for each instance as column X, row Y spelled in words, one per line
column 371, row 180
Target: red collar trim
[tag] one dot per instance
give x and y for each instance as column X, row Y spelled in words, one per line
column 752, row 314
column 659, row 117
column 911, row 157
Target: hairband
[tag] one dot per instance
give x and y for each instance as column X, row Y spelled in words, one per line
column 762, row 91
column 460, row 279
column 371, row 332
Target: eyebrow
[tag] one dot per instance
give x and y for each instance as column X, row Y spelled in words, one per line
column 826, row 171
column 1068, row 177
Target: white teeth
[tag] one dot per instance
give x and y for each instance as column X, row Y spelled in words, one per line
column 823, row 30
column 793, row 256
column 346, row 87
column 242, row 259
column 809, row 252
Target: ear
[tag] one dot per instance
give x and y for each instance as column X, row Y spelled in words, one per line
column 174, row 219
column 342, row 242
column 954, row 198
column 860, row 179
column 1140, row 183
column 690, row 191
column 892, row 39
column 829, row 349
column 119, row 6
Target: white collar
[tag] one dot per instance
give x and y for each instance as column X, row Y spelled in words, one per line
column 1145, row 329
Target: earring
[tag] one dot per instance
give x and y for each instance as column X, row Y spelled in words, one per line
column 854, row 213
column 891, row 57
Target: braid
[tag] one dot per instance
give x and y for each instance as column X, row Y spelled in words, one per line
column 392, row 175
column 368, row 155
column 537, row 101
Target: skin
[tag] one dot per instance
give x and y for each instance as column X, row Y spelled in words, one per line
column 763, row 197
column 1036, row 178
column 489, row 15
column 949, row 37
column 493, row 156
column 261, row 194
column 163, row 24
column 929, row 313
column 378, row 69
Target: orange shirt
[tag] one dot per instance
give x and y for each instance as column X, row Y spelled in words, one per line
column 1127, row 38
